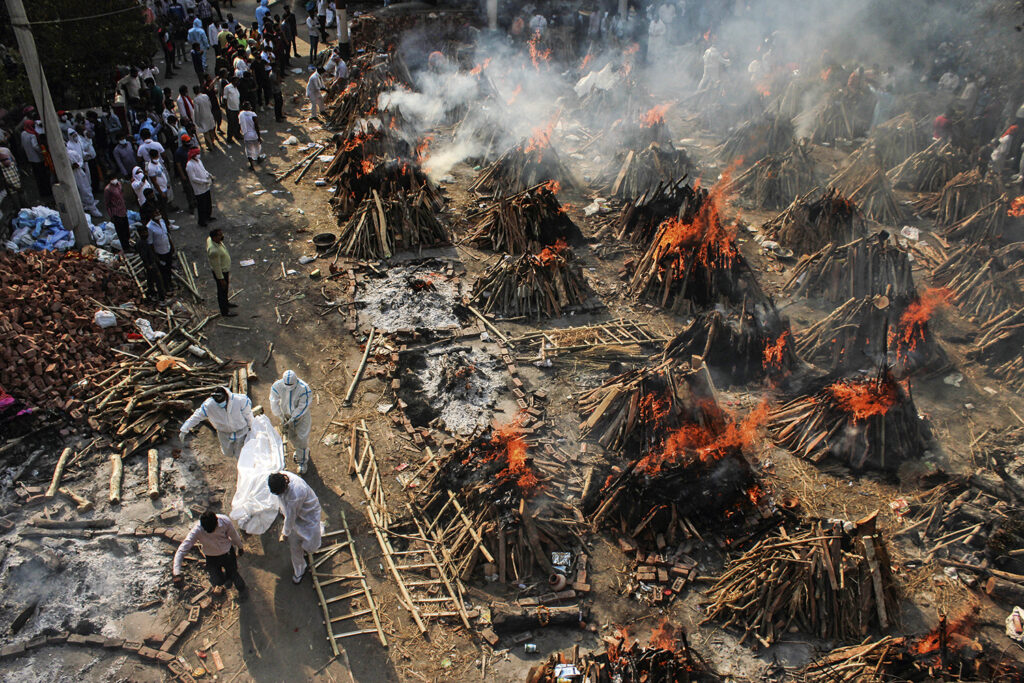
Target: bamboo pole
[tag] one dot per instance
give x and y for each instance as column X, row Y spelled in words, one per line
column 116, row 473
column 153, row 471
column 58, row 472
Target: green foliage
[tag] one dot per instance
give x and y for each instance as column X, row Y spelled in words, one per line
column 79, row 55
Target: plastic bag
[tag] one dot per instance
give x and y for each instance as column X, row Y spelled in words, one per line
column 104, row 318
column 147, row 330
column 254, row 508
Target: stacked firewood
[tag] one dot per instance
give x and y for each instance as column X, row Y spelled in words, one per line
column 867, row 662
column 866, row 267
column 390, row 179
column 965, row 193
column 370, row 76
column 639, row 219
column 635, row 173
column 775, row 180
column 839, row 115
column 928, row 170
column 381, row 227
column 668, row 659
column 852, row 336
column 542, row 285
column 694, row 261
column 986, row 284
column 522, row 223
column 984, row 225
column 824, row 582
column 765, row 136
column 1000, row 347
column 359, row 151
column 523, row 166
column 864, row 182
column 749, row 345
column 808, row 225
column 863, row 422
column 898, row 138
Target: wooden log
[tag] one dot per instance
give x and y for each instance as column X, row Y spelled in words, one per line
column 1005, row 591
column 116, row 474
column 506, row 618
column 153, row 472
column 58, row 472
column 84, row 504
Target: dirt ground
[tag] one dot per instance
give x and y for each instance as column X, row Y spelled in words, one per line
column 278, row 634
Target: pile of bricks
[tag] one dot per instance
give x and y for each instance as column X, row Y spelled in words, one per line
column 46, row 319
column 666, row 574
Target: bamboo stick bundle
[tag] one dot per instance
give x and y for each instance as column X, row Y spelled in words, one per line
column 999, row 347
column 985, row 225
column 633, row 173
column 898, row 138
column 964, row 194
column 838, row 115
column 522, row 223
column 868, row 662
column 852, row 336
column 864, row 182
column 381, row 227
column 775, row 180
column 750, row 345
column 757, row 138
column 863, row 422
column 866, row 267
column 523, row 166
column 985, row 283
column 928, row 170
column 808, row 225
column 822, row 582
column 542, row 285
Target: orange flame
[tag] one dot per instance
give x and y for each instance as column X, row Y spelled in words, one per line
column 960, row 624
column 763, row 89
column 349, row 88
column 540, row 138
column 549, row 254
column 910, row 329
column 515, row 94
column 773, row 352
column 553, row 186
column 864, row 399
column 508, row 441
column 710, row 443
column 656, row 115
column 366, row 167
column 423, row 149
column 536, row 54
column 586, row 60
column 665, row 636
column 1016, row 207
column 615, row 652
column 632, row 49
column 476, row 70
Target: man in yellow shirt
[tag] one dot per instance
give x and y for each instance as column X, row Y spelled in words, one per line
column 220, row 263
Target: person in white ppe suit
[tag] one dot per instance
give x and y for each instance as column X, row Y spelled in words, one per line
column 290, row 400
column 230, row 414
column 302, row 526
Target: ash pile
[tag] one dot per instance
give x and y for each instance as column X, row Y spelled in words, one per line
column 419, row 296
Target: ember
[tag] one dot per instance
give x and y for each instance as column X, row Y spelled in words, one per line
column 774, row 353
column 1016, row 207
column 655, row 115
column 914, row 321
column 863, row 399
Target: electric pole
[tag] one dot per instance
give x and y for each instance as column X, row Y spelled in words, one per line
column 65, row 191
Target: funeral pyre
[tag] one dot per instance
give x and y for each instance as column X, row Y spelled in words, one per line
column 752, row 344
column 823, row 581
column 684, row 464
column 523, row 223
column 808, row 225
column 529, row 163
column 542, row 285
column 775, row 180
column 868, row 422
column 869, row 266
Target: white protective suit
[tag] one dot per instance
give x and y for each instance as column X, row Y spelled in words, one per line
column 81, row 173
column 302, row 525
column 316, row 98
column 232, row 422
column 290, row 400
column 713, row 63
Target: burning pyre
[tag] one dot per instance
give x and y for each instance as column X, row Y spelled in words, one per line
column 498, row 490
column 694, row 261
column 529, row 163
column 639, row 220
column 864, row 333
column 864, row 422
column 541, row 285
column 523, row 223
column 395, row 178
column 685, row 455
column 870, row 266
column 808, row 225
column 823, row 581
column 775, row 180
column 751, row 345
column 666, row 659
column 370, row 75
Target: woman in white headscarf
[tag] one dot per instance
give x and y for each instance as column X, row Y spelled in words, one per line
column 140, row 184
column 81, row 173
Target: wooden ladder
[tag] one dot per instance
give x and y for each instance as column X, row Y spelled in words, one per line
column 339, row 580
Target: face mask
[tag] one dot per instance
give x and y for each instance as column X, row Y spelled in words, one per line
column 222, row 404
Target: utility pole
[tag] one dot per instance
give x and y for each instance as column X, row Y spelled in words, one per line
column 492, row 15
column 65, row 191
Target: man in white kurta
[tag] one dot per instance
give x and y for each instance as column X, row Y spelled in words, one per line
column 230, row 414
column 314, row 86
column 301, row 510
column 290, row 399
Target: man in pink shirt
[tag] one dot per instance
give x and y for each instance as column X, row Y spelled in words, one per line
column 219, row 539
